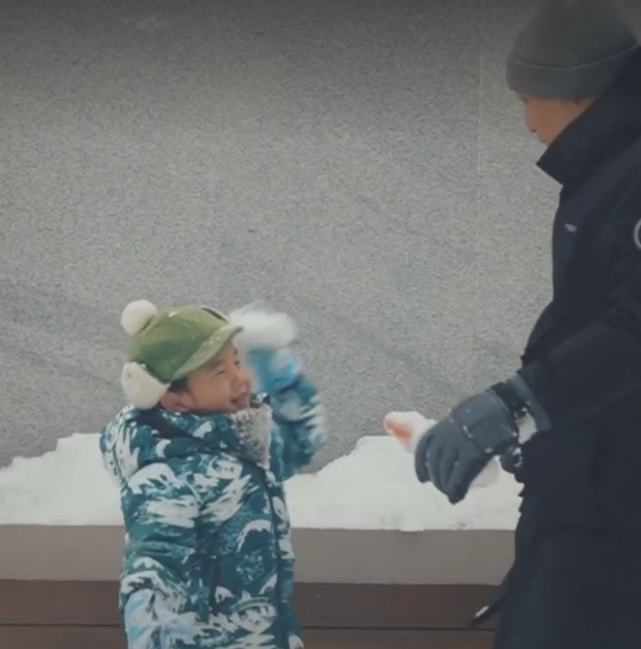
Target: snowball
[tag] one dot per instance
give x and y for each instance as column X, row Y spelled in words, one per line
column 262, row 328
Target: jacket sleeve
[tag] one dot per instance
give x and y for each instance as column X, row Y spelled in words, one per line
column 159, row 587
column 600, row 364
column 299, row 429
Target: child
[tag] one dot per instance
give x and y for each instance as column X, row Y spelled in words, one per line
column 200, row 460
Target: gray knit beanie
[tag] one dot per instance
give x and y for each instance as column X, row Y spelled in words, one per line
column 571, row 49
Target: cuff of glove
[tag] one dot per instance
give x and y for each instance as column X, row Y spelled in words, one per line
column 528, row 414
column 512, row 461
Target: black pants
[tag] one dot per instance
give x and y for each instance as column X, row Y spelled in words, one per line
column 573, row 587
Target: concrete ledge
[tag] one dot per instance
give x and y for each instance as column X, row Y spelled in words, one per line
column 92, row 553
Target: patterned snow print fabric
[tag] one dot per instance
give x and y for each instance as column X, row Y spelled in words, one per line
column 208, row 560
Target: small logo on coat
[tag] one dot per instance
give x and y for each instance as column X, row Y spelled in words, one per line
column 569, row 227
column 637, row 235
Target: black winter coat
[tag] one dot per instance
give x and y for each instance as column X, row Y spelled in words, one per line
column 577, row 578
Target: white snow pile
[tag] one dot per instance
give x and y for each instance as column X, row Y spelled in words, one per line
column 374, row 487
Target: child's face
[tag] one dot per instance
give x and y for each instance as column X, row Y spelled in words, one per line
column 223, row 385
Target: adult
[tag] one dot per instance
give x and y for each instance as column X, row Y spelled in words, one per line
column 569, row 420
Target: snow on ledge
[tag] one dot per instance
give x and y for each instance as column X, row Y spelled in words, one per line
column 373, row 487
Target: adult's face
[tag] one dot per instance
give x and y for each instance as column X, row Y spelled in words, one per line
column 548, row 118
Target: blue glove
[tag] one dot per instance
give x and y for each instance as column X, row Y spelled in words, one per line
column 265, row 344
column 274, row 370
column 454, row 451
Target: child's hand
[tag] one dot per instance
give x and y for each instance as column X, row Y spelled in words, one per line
column 273, row 369
column 407, row 427
column 265, row 347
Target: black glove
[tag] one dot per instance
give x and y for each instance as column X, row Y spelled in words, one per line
column 454, row 451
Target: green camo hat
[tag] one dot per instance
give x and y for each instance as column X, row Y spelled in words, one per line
column 168, row 345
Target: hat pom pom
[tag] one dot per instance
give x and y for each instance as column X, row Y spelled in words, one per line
column 136, row 316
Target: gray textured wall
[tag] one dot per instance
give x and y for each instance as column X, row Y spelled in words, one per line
column 358, row 163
